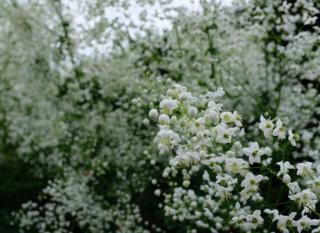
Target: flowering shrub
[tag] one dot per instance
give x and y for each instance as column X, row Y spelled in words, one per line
column 209, row 124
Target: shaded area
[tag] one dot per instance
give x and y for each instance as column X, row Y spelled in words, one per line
column 17, row 186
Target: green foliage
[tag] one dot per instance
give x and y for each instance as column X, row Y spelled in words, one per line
column 78, row 152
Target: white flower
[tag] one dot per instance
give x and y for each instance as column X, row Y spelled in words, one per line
column 291, row 138
column 212, row 116
column 224, row 134
column 227, row 117
column 236, row 166
column 284, row 222
column 253, row 152
column 279, row 131
column 185, row 96
column 167, row 140
column 198, row 126
column 164, row 119
column 286, row 178
column 238, row 149
column 255, row 219
column 180, row 88
column 306, row 198
column 168, row 105
column 237, row 119
column 267, row 151
column 284, row 167
column 224, row 186
column 185, row 158
column 266, row 126
column 214, row 106
column 275, row 213
column 251, row 182
column 305, row 223
column 305, row 170
column 315, row 185
column 193, row 112
column 218, row 93
column 316, row 230
column 294, row 188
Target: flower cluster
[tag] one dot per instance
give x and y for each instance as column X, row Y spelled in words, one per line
column 217, row 175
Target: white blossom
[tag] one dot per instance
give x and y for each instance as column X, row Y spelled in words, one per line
column 266, row 126
column 280, row 130
column 254, row 153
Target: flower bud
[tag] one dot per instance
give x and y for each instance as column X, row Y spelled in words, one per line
column 146, row 122
column 193, row 112
column 286, row 178
column 186, row 183
column 157, row 192
column 153, row 114
column 164, row 119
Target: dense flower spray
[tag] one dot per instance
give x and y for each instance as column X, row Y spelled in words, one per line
column 217, row 175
